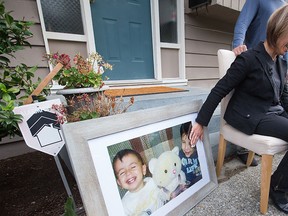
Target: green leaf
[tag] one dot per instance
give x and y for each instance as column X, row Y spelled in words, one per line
column 95, row 115
column 9, row 19
column 84, row 116
column 66, row 73
column 3, row 87
column 6, row 97
column 69, row 208
column 2, row 116
column 2, row 9
column 18, row 117
column 14, row 90
column 4, row 59
column 8, row 107
column 32, row 70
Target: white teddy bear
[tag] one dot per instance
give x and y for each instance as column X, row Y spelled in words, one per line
column 167, row 174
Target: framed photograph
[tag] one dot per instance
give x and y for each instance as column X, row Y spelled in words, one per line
column 141, row 163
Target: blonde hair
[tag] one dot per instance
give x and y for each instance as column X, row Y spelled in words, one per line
column 277, row 25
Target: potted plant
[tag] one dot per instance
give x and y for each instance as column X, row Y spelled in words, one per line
column 83, row 83
column 82, row 76
column 83, row 73
column 90, row 108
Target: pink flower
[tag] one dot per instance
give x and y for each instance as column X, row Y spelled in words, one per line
column 55, row 56
column 79, row 71
column 65, row 60
column 61, row 119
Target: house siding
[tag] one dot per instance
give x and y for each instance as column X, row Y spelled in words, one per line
column 31, row 56
column 170, row 63
column 233, row 4
column 204, row 35
column 68, row 47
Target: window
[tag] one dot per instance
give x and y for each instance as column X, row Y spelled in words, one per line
column 168, row 21
column 62, row 16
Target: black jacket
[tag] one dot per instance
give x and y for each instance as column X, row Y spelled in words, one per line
column 250, row 76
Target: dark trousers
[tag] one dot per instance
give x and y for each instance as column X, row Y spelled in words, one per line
column 274, row 125
column 279, row 179
column 277, row 126
column 271, row 125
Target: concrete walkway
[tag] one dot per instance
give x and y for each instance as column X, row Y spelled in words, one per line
column 238, row 192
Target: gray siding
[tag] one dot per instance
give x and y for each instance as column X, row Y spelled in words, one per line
column 233, row 4
column 27, row 10
column 68, row 47
column 205, row 33
column 170, row 63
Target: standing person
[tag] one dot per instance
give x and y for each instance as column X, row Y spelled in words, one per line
column 189, row 157
column 249, row 30
column 142, row 196
column 250, row 27
column 258, row 77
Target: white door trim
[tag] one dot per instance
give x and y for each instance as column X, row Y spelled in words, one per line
column 88, row 37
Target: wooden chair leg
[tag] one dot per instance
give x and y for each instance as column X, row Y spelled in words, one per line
column 266, row 171
column 221, row 154
column 250, row 158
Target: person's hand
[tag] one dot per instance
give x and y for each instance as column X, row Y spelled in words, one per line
column 238, row 50
column 196, row 133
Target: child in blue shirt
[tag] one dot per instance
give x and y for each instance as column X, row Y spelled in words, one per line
column 189, row 157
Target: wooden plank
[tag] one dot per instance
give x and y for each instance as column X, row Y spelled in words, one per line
column 41, row 73
column 201, row 73
column 30, row 56
column 195, row 60
column 207, row 35
column 209, row 21
column 23, row 9
column 206, row 84
column 37, row 38
column 203, row 47
column 44, row 83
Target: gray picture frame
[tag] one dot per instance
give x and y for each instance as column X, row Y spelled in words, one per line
column 78, row 135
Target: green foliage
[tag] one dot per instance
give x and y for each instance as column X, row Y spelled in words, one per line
column 69, row 208
column 84, row 73
column 71, row 78
column 88, row 106
column 13, row 35
column 16, row 83
column 9, row 120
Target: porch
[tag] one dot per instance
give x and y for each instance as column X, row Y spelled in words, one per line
column 14, row 147
column 238, row 190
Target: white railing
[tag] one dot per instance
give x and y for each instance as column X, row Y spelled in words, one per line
column 233, row 4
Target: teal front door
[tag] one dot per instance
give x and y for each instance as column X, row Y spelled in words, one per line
column 123, row 36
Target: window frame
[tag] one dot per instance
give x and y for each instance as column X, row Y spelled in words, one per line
column 88, row 38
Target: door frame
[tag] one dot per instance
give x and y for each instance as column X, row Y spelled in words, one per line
column 88, row 38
